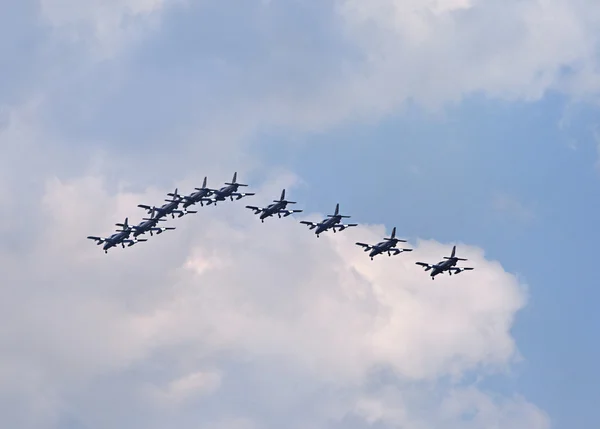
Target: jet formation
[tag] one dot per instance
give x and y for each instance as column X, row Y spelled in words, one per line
column 181, row 205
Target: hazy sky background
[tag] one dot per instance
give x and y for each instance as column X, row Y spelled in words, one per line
column 469, row 122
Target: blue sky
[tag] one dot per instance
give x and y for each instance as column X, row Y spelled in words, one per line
column 428, row 116
column 494, row 150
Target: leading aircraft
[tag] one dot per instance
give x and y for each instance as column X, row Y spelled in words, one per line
column 149, row 225
column 228, row 191
column 332, row 222
column 277, row 208
column 449, row 265
column 171, row 208
column 199, row 196
column 389, row 246
column 120, row 237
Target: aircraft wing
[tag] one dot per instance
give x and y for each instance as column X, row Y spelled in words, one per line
column 159, row 230
column 312, row 225
column 342, row 227
column 132, row 242
column 397, row 251
column 181, row 213
column 209, row 201
column 241, row 195
column 286, row 213
column 423, row 264
column 257, row 210
column 366, row 246
column 460, row 269
column 98, row 239
column 145, row 207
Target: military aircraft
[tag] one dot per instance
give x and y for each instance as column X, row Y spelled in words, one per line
column 389, row 246
column 332, row 222
column 149, row 225
column 231, row 190
column 120, row 237
column 197, row 197
column 171, row 208
column 449, row 265
column 277, row 208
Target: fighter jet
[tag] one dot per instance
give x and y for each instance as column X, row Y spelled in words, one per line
column 149, row 225
column 171, row 208
column 197, row 197
column 120, row 237
column 389, row 246
column 448, row 265
column 332, row 222
column 278, row 207
column 231, row 190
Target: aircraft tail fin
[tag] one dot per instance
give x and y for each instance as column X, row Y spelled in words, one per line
column 283, row 200
column 233, row 180
column 123, row 225
column 336, row 212
column 174, row 195
column 393, row 236
column 453, row 255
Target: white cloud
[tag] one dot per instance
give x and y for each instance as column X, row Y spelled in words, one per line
column 468, row 408
column 438, row 52
column 225, row 290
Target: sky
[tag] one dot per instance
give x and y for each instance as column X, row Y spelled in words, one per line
column 460, row 122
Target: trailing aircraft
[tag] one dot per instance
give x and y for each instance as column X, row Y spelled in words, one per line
column 331, row 222
column 228, row 191
column 120, row 237
column 278, row 207
column 171, row 208
column 149, row 225
column 197, row 197
column 449, row 265
column 389, row 246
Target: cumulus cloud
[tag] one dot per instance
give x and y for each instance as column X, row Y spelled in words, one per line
column 172, row 320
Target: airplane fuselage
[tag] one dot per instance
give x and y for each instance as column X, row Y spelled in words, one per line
column 167, row 209
column 115, row 239
column 144, row 227
column 327, row 223
column 272, row 209
column 382, row 247
column 442, row 266
column 196, row 197
column 225, row 191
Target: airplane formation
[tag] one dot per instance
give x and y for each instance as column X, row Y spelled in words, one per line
column 180, row 205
